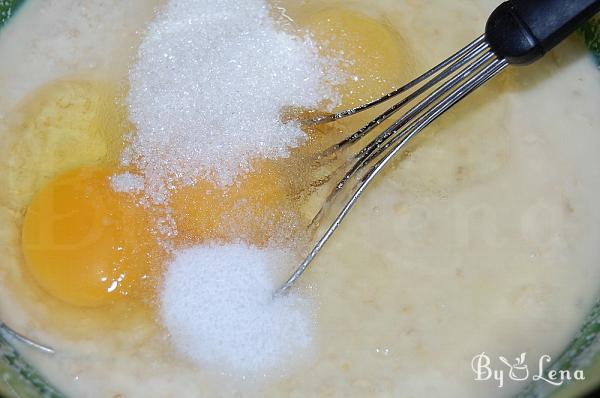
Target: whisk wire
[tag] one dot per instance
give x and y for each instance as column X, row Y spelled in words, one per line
column 454, row 78
column 25, row 340
column 437, row 74
column 441, row 66
column 380, row 143
column 375, row 147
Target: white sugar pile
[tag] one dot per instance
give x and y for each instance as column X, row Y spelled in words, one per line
column 127, row 182
column 206, row 95
column 218, row 306
column 208, row 87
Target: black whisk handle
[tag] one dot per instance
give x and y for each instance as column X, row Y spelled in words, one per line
column 522, row 31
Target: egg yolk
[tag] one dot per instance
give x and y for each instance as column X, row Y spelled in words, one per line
column 252, row 209
column 86, row 244
column 381, row 59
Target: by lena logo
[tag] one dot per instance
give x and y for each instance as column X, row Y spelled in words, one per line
column 518, row 370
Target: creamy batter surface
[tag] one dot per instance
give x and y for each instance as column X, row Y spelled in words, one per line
column 482, row 237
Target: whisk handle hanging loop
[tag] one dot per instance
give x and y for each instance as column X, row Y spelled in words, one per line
column 522, row 31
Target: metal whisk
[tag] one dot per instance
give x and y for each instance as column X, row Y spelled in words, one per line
column 25, row 340
column 518, row 32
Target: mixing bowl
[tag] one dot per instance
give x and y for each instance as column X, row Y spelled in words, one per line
column 19, row 379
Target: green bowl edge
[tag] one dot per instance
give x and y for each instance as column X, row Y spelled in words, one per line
column 591, row 35
column 7, row 8
column 18, row 379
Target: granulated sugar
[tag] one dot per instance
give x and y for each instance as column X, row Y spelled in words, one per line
column 208, row 87
column 206, row 95
column 218, row 306
column 127, row 182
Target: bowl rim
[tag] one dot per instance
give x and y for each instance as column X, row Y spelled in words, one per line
column 18, row 377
